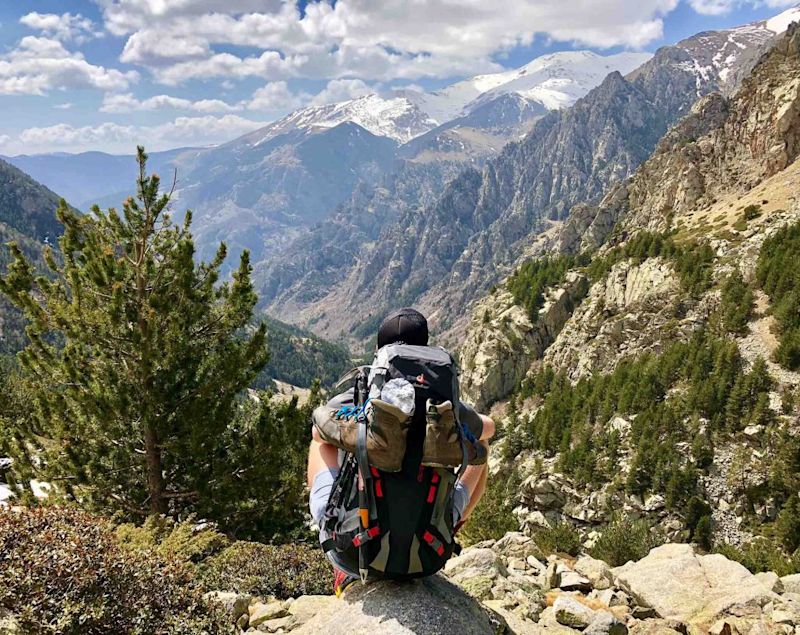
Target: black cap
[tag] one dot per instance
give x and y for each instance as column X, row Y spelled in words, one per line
column 404, row 325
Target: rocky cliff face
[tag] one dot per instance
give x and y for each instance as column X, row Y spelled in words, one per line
column 504, row 339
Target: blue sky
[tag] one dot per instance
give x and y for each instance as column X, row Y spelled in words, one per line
column 107, row 74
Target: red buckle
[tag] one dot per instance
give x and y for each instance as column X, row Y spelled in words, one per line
column 374, row 471
column 378, row 489
column 435, row 477
column 428, row 537
column 357, row 541
column 374, row 531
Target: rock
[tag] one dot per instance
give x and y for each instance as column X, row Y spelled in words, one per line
column 479, row 586
column 307, row 606
column 596, row 571
column 643, row 612
column 234, row 604
column 791, row 583
column 770, row 580
column 569, row 612
column 517, row 545
column 535, row 564
column 261, row 612
column 785, row 617
column 551, row 576
column 655, row 627
column 279, row 623
column 518, row 624
column 681, row 585
column 605, row 623
column 573, row 581
column 611, row 597
column 429, row 606
column 720, row 627
column 474, row 562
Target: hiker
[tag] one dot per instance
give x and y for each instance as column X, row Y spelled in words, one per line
column 393, row 468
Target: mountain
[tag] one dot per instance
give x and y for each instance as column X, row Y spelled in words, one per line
column 28, row 218
column 269, row 186
column 94, row 177
column 553, row 81
column 646, row 358
column 485, row 221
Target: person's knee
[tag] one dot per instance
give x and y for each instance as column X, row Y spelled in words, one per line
column 488, row 428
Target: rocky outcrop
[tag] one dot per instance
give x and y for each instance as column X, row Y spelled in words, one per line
column 502, row 339
column 430, row 606
column 684, row 586
column 634, row 309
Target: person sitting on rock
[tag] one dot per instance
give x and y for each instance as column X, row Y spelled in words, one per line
column 397, row 517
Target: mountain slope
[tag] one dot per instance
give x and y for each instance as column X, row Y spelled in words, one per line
column 28, row 218
column 467, row 240
column 91, row 177
column 656, row 371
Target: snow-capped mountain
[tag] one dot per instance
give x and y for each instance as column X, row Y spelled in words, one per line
column 719, row 53
column 556, row 81
column 395, row 117
column 552, row 81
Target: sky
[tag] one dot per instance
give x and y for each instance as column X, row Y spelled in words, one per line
column 79, row 75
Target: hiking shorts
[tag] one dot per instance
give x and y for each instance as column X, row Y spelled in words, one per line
column 323, row 484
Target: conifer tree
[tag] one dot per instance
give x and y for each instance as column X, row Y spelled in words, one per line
column 136, row 356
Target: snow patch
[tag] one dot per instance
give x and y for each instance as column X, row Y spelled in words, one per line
column 781, row 22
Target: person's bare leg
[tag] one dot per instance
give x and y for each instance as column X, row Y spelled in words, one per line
column 321, row 456
column 476, row 476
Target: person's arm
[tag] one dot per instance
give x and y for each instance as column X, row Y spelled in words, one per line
column 480, row 425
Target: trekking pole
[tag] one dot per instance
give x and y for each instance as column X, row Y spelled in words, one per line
column 365, row 477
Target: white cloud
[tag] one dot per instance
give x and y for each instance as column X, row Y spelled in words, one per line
column 276, row 97
column 4, row 138
column 64, row 106
column 126, row 102
column 181, row 40
column 341, row 90
column 61, row 27
column 40, row 64
column 111, row 137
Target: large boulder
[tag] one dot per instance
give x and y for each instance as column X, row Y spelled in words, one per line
column 430, row 606
column 682, row 585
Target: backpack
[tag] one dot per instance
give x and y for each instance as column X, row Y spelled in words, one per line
column 399, row 525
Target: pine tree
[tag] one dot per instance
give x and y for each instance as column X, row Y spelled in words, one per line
column 136, row 356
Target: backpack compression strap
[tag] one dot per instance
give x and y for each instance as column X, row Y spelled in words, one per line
column 366, row 505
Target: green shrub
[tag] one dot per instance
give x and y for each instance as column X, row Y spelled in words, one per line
column 64, row 572
column 492, row 518
column 282, row 571
column 624, row 539
column 762, row 555
column 751, row 212
column 560, row 538
column 186, row 541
